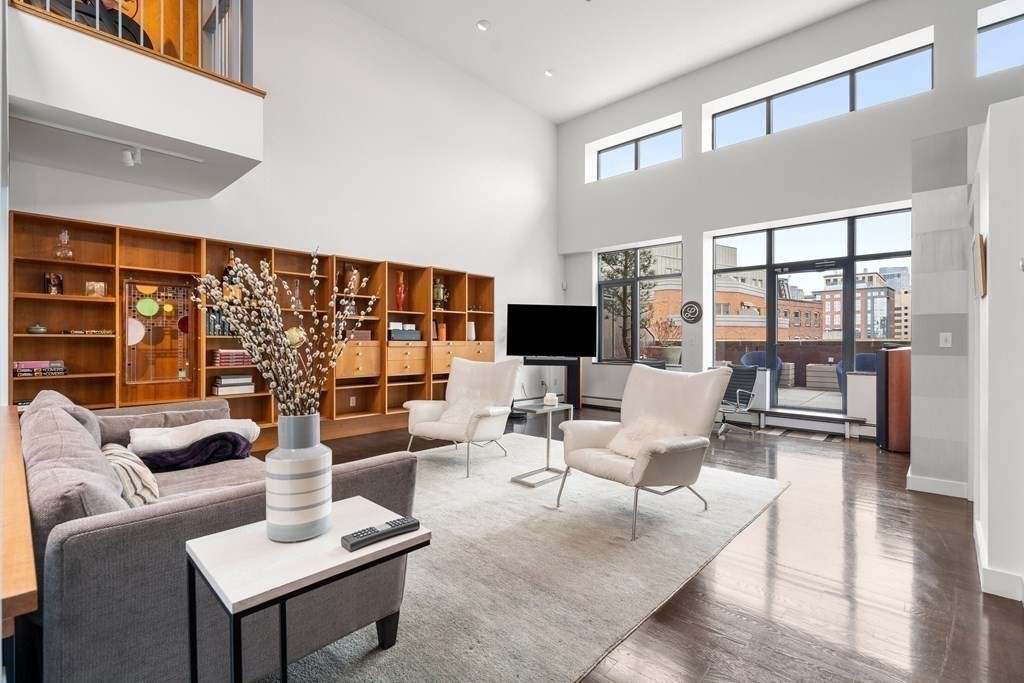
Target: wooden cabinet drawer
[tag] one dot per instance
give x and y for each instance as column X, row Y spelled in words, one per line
column 447, row 344
column 359, row 362
column 404, row 344
column 411, row 366
column 407, row 353
column 361, row 344
column 479, row 351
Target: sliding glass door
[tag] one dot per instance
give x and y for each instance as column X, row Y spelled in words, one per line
column 809, row 340
column 813, row 303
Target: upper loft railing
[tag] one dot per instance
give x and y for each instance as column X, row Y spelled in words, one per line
column 205, row 36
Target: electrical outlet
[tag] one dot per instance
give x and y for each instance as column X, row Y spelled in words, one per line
column 945, row 340
column 351, row 401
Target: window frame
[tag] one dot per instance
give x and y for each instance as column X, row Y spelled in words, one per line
column 636, row 154
column 634, row 282
column 990, row 27
column 772, row 268
column 852, row 97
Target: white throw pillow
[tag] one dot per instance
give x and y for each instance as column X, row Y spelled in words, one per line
column 631, row 438
column 138, row 485
column 145, row 441
column 458, row 413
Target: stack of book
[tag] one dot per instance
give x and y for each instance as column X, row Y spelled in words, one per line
column 39, row 368
column 228, row 357
column 217, row 325
column 233, row 385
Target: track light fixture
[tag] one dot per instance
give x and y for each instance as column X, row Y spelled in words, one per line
column 131, row 157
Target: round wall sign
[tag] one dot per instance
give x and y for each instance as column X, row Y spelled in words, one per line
column 691, row 312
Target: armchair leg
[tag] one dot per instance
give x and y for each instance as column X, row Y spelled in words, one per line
column 409, row 447
column 502, row 448
column 558, row 501
column 703, row 500
column 636, row 495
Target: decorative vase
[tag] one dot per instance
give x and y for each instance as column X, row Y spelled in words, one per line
column 298, row 481
column 63, row 249
column 471, row 331
column 352, row 277
column 401, row 291
column 442, row 332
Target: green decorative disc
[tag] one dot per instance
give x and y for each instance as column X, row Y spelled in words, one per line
column 147, row 307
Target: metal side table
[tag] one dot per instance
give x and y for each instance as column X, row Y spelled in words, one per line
column 541, row 409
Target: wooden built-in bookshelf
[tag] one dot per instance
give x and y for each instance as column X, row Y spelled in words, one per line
column 373, row 379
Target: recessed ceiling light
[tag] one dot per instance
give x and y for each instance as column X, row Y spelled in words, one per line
column 550, row 73
column 483, row 25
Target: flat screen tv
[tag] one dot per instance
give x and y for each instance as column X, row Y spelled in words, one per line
column 546, row 330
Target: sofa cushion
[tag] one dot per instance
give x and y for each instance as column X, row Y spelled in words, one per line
column 217, row 475
column 68, row 476
column 43, row 400
column 87, row 419
column 138, row 486
column 117, row 428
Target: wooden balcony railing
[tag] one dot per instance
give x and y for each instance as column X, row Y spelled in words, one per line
column 205, row 36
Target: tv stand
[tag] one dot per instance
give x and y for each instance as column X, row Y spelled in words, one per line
column 573, row 375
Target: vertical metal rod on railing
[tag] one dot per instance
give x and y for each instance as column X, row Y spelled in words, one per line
column 47, row 5
column 120, row 21
column 72, row 11
column 142, row 23
column 97, row 18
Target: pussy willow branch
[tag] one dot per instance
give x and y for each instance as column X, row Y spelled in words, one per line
column 295, row 375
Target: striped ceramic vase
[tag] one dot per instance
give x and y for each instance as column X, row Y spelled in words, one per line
column 298, row 481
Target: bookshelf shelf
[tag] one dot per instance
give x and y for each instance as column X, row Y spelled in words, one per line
column 76, row 337
column 82, row 299
column 159, row 270
column 74, row 375
column 63, row 263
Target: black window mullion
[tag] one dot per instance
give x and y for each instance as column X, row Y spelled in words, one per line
column 768, row 115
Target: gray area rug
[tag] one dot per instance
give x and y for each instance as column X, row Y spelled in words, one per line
column 513, row 589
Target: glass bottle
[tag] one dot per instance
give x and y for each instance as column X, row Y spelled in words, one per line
column 63, row 250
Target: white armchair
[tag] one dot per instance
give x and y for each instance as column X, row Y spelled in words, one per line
column 476, row 406
column 667, row 418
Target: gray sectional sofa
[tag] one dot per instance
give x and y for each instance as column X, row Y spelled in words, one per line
column 112, row 578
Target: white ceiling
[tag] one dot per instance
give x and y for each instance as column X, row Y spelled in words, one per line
column 601, row 51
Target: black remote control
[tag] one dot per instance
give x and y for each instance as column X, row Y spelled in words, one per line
column 372, row 534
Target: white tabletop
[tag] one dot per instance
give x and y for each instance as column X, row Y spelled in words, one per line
column 540, row 408
column 246, row 569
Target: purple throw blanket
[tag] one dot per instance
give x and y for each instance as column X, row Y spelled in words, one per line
column 205, row 451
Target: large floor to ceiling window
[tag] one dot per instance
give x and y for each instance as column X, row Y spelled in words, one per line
column 813, row 302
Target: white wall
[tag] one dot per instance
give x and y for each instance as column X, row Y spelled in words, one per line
column 856, row 160
column 372, row 148
column 4, row 197
column 999, row 367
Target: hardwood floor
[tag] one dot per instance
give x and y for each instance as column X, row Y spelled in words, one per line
column 847, row 576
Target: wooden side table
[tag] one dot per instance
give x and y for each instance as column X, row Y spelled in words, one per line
column 226, row 561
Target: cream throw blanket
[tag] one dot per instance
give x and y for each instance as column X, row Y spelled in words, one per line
column 145, row 441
